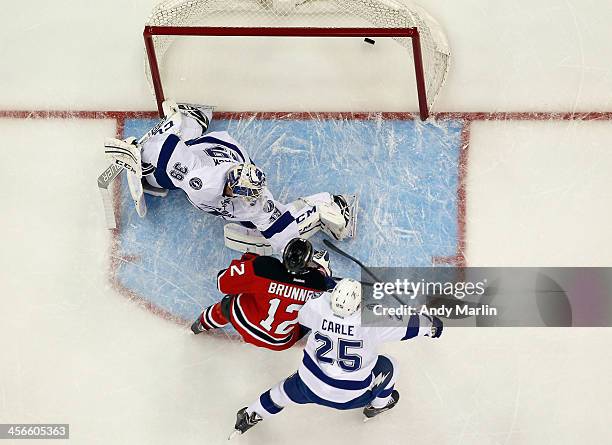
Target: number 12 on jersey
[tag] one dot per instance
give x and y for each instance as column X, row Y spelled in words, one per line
column 284, row 327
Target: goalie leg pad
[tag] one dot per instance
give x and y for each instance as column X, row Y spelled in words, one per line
column 197, row 119
column 332, row 221
column 306, row 216
column 242, row 239
column 170, row 124
column 340, row 218
column 191, row 120
column 337, row 214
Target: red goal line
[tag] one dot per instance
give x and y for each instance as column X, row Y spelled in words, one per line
column 289, row 115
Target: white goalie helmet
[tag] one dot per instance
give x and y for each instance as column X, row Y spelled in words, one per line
column 346, row 297
column 246, row 181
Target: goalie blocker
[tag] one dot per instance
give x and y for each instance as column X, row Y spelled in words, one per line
column 335, row 215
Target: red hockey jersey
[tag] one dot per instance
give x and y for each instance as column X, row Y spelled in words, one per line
column 267, row 299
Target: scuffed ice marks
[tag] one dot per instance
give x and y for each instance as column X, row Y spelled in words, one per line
column 405, row 172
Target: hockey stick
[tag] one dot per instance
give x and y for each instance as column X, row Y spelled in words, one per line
column 363, row 283
column 338, row 250
column 435, row 298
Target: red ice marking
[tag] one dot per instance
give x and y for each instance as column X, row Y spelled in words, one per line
column 82, row 114
column 467, row 118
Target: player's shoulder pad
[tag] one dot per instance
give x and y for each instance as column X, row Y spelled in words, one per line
column 247, row 256
column 314, row 279
column 268, row 267
column 316, row 295
column 330, row 283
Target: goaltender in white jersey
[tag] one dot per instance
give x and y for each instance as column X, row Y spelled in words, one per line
column 219, row 177
column 341, row 367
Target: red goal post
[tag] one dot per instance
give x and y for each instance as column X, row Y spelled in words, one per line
column 408, row 25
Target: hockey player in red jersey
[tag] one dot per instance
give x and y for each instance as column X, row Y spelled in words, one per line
column 264, row 295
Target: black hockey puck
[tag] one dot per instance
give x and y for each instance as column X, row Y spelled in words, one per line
column 369, row 40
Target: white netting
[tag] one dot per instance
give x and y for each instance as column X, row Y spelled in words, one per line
column 311, row 13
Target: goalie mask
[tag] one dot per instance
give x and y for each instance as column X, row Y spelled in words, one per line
column 346, row 297
column 297, row 255
column 246, row 181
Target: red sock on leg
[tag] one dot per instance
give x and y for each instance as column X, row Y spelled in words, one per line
column 212, row 317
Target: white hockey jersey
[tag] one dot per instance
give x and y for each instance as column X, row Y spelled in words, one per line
column 199, row 167
column 340, row 354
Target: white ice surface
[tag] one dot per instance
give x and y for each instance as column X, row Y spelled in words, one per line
column 540, row 184
column 72, row 350
column 522, row 55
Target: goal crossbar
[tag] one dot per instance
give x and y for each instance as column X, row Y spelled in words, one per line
column 213, row 31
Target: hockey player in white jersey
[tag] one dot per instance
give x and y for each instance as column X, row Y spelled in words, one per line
column 341, row 367
column 219, row 177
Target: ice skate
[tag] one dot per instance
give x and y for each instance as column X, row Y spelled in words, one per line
column 244, row 422
column 370, row 412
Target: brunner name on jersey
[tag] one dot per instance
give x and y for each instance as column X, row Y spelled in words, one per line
column 292, row 292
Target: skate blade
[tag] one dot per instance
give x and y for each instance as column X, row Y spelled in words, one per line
column 234, row 434
column 367, row 419
column 159, row 194
column 353, row 203
column 353, row 231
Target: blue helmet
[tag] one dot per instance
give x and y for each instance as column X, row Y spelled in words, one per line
column 246, row 181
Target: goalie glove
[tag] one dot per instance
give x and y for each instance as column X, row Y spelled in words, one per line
column 125, row 154
column 320, row 261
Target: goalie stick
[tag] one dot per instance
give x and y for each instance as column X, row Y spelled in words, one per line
column 104, row 181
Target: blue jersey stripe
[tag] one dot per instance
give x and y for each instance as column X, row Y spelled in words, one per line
column 279, row 225
column 162, row 162
column 340, row 384
column 299, row 393
column 248, row 224
column 413, row 327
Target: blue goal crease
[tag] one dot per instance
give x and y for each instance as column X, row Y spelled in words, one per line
column 405, row 173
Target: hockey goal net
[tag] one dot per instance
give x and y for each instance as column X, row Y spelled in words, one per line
column 406, row 24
